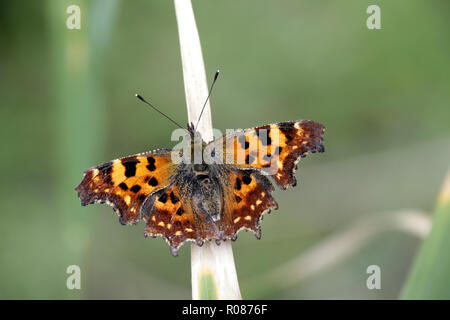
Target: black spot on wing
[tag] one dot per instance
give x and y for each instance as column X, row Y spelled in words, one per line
column 130, row 166
column 135, row 188
column 123, row 186
column 238, row 184
column 151, row 164
column 173, row 198
column 242, row 140
column 246, row 179
column 163, row 198
column 153, row 182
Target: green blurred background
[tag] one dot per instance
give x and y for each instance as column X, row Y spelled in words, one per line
column 67, row 103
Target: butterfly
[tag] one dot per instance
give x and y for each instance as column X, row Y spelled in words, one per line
column 208, row 200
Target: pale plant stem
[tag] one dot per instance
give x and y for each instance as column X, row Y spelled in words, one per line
column 210, row 261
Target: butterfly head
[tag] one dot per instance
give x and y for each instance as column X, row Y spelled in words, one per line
column 191, row 130
column 195, row 136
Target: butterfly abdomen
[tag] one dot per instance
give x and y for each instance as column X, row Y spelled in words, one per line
column 206, row 192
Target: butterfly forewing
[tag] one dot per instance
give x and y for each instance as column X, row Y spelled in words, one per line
column 274, row 149
column 126, row 183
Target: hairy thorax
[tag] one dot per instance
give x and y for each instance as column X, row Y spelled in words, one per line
column 204, row 187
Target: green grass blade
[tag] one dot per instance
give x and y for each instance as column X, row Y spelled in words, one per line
column 430, row 276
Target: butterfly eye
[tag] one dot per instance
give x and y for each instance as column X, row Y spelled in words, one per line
column 200, row 167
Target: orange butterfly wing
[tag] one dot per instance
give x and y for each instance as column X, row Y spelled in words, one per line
column 275, row 148
column 126, row 183
column 171, row 215
column 247, row 195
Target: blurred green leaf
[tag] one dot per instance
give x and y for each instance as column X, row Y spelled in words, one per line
column 78, row 113
column 430, row 276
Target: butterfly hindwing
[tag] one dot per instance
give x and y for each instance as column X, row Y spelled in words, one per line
column 247, row 197
column 170, row 213
column 126, row 183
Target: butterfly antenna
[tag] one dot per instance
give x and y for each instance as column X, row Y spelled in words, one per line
column 165, row 115
column 207, row 98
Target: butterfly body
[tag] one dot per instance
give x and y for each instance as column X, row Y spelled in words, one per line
column 203, row 200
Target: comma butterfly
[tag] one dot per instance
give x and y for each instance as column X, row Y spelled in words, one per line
column 184, row 201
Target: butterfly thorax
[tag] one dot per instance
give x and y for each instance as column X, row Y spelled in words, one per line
column 201, row 183
column 207, row 195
